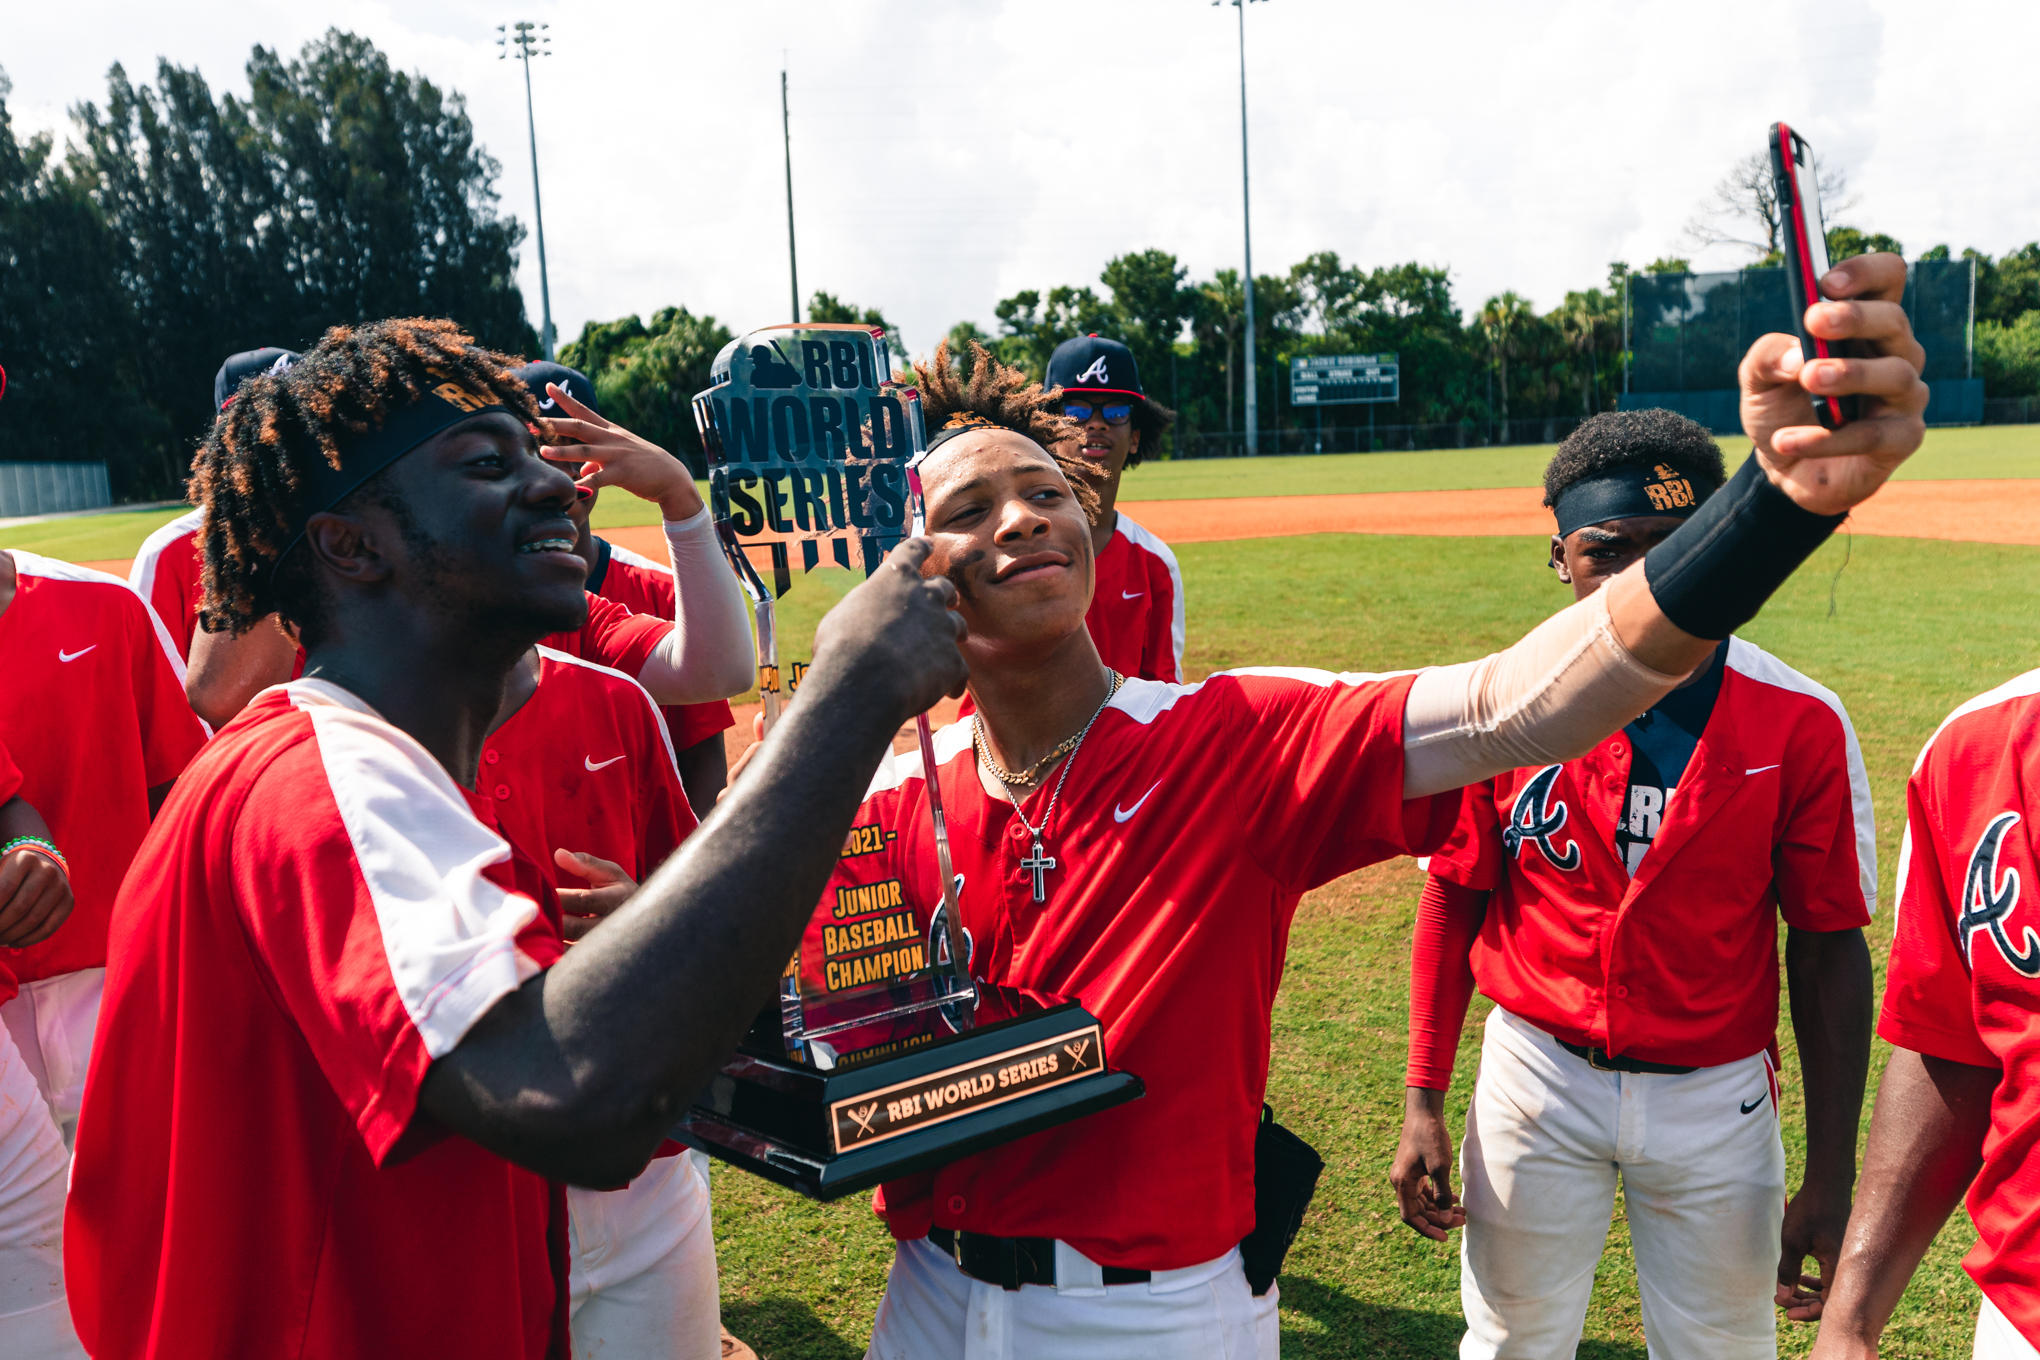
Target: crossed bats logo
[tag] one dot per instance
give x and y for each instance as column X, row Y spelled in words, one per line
column 1536, row 817
column 1988, row 897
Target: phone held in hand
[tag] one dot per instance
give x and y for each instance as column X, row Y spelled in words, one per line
column 1806, row 257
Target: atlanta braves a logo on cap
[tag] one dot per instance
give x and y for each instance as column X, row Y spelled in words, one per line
column 1095, row 373
column 1535, row 817
column 1988, row 897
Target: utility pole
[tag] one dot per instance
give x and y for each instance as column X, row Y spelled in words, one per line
column 528, row 39
column 1247, row 226
column 786, row 138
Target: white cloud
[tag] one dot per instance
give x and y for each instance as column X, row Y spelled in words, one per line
column 947, row 155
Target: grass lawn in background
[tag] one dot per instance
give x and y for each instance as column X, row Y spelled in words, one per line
column 1982, row 451
column 90, row 538
column 1917, row 627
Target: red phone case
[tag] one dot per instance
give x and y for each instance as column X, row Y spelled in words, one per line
column 1805, row 254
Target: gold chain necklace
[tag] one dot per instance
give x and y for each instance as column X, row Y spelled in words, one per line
column 1038, row 864
column 1032, row 774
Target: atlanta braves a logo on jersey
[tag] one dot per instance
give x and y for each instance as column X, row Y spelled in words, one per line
column 1988, row 897
column 1536, row 817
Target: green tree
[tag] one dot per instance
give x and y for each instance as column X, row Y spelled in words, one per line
column 1504, row 320
column 828, row 307
column 2008, row 356
column 2009, row 287
column 1151, row 306
column 646, row 376
column 1669, row 264
column 1843, row 242
column 1032, row 324
column 339, row 191
column 68, row 329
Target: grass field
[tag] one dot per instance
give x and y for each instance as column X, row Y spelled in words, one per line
column 1985, row 451
column 1917, row 627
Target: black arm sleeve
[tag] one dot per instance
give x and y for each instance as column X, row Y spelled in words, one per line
column 1716, row 571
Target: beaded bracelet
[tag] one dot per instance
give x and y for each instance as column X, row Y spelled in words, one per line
column 41, row 847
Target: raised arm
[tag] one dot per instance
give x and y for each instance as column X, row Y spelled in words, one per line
column 1597, row 664
column 708, row 655
column 580, row 1072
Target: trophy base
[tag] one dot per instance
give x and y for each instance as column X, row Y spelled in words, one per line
column 829, row 1134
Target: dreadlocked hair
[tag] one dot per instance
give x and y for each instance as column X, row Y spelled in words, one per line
column 251, row 473
column 1007, row 398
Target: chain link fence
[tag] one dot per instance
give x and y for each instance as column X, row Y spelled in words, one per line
column 1464, row 434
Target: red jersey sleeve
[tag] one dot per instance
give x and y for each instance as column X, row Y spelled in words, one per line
column 1441, row 978
column 10, row 776
column 1319, row 792
column 1928, row 997
column 385, row 917
column 1823, row 862
column 171, row 732
column 1471, row 855
column 692, row 724
column 614, row 637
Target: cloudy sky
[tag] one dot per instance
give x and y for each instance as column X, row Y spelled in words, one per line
column 946, row 155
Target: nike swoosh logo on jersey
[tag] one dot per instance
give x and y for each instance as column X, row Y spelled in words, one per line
column 1122, row 815
column 1761, row 768
column 63, row 655
column 589, row 761
column 1749, row 1105
column 1133, row 595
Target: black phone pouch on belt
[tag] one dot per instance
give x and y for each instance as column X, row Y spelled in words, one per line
column 1286, row 1171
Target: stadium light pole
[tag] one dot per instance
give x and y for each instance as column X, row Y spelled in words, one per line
column 1247, row 231
column 529, row 40
column 786, row 139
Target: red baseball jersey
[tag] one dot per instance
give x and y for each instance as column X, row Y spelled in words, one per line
column 166, row 573
column 318, row 914
column 10, row 787
column 1136, row 615
column 585, row 765
column 1178, row 866
column 95, row 718
column 613, row 636
column 645, row 587
column 1965, row 957
column 1679, row 963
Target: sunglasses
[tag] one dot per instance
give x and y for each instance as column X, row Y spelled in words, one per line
column 1117, row 414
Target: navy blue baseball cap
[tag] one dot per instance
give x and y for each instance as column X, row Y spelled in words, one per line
column 249, row 363
column 1090, row 364
column 536, row 374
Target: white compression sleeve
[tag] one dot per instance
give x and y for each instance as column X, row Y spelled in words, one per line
column 708, row 655
column 1551, row 697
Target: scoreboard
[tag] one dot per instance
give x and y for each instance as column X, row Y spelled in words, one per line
column 1344, row 379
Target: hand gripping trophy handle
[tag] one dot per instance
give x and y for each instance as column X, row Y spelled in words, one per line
column 961, row 1012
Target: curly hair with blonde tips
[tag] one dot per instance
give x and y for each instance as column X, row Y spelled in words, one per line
column 254, row 470
column 999, row 395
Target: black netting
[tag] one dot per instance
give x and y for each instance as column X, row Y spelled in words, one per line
column 1687, row 332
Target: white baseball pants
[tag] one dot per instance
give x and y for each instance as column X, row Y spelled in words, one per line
column 641, row 1284
column 933, row 1311
column 1702, row 1172
column 35, row 1318
column 1997, row 1339
column 52, row 1021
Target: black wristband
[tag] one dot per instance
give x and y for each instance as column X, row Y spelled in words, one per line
column 1717, row 569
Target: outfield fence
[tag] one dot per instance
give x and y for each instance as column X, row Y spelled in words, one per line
column 1463, row 434
column 52, row 488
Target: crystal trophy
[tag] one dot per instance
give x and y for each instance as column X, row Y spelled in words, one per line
column 881, row 1055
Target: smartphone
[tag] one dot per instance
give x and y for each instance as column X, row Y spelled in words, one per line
column 1806, row 257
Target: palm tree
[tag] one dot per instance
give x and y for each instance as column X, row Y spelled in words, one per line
column 1579, row 320
column 1501, row 319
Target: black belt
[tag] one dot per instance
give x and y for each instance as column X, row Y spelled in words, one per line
column 1599, row 1060
column 1010, row 1262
